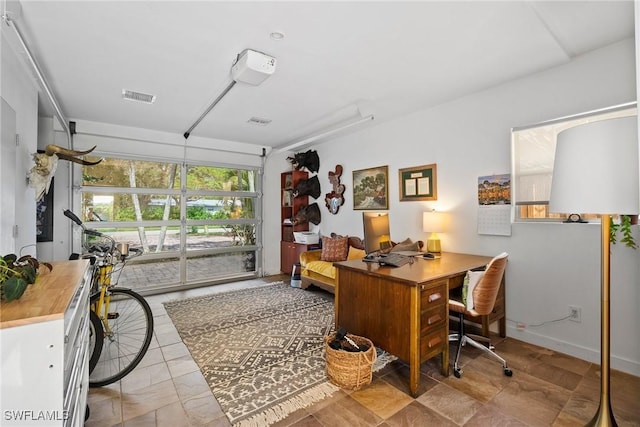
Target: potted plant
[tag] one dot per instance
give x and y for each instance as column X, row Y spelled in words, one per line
column 624, row 226
column 17, row 273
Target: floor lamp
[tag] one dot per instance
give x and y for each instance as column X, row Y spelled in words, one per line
column 596, row 171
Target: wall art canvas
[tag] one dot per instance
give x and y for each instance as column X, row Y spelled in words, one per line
column 494, row 189
column 370, row 188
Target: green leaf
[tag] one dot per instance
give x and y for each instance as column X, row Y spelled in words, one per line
column 10, row 258
column 14, row 288
column 29, row 273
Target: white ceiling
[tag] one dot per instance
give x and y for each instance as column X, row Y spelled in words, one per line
column 337, row 60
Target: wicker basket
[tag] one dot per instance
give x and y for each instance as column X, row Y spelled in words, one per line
column 350, row 370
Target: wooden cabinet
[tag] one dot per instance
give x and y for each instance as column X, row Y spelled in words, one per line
column 44, row 352
column 289, row 208
column 290, row 254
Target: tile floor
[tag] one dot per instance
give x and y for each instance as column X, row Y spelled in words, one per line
column 547, row 389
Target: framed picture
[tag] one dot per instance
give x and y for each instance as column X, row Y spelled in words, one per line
column 44, row 216
column 370, row 188
column 418, row 183
column 494, row 189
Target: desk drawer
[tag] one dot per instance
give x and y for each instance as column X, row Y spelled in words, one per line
column 433, row 343
column 432, row 319
column 433, row 296
column 456, row 281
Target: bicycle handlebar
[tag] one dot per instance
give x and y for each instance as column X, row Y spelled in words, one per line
column 95, row 233
column 90, row 232
column 72, row 217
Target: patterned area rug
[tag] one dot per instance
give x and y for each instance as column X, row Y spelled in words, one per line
column 261, row 349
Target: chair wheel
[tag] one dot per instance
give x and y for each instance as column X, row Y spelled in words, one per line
column 457, row 373
column 508, row 372
column 86, row 413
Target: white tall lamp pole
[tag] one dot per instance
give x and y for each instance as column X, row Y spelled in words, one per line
column 596, row 171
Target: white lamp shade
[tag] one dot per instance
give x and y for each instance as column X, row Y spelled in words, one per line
column 596, row 168
column 434, row 222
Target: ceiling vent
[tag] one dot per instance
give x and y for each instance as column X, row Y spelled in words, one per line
column 258, row 121
column 138, row 96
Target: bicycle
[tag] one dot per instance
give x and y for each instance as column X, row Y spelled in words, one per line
column 121, row 321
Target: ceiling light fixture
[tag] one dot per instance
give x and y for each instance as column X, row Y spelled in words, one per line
column 277, row 35
column 325, row 133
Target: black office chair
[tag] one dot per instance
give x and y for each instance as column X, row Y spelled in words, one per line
column 484, row 298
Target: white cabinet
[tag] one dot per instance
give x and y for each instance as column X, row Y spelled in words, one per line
column 44, row 339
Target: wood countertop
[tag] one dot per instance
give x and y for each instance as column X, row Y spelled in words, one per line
column 46, row 299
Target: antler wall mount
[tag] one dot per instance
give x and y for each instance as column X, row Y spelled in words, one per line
column 40, row 175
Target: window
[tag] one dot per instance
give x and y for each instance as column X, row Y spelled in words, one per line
column 533, row 149
column 195, row 223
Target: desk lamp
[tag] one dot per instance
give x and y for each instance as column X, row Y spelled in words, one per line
column 433, row 222
column 596, row 171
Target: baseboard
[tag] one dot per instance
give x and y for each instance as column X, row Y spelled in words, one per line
column 618, row 363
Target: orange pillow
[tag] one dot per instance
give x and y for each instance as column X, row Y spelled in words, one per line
column 355, row 253
column 334, row 249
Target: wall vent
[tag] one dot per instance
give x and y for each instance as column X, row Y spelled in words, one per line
column 138, row 96
column 258, row 121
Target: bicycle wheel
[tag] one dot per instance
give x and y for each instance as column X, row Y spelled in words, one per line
column 127, row 338
column 96, row 337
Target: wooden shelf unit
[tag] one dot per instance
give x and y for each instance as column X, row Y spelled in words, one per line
column 289, row 207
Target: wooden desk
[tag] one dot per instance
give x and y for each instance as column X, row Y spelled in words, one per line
column 403, row 310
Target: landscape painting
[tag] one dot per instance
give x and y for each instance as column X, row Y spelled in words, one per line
column 494, row 190
column 370, row 188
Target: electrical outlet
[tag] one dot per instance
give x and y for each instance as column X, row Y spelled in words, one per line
column 575, row 313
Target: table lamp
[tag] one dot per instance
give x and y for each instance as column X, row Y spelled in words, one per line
column 596, row 171
column 433, row 222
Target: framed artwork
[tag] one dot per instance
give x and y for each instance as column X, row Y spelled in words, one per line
column 494, row 189
column 44, row 216
column 370, row 188
column 418, row 183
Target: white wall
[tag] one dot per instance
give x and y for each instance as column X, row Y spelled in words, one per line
column 551, row 266
column 18, row 89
